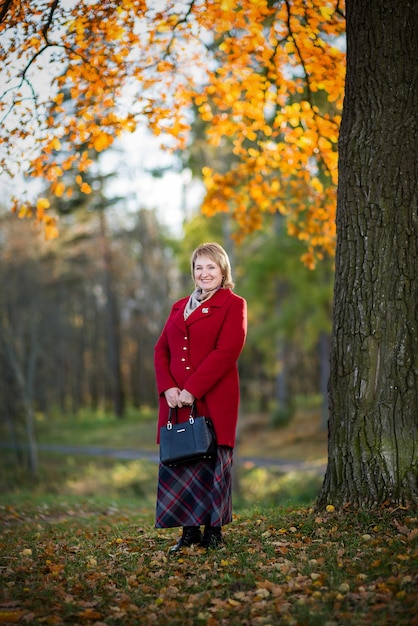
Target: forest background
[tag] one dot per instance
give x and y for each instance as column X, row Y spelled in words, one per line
column 80, row 313
column 248, row 98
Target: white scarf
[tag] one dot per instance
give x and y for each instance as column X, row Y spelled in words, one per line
column 196, row 299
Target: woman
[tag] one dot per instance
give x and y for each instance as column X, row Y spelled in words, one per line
column 196, row 362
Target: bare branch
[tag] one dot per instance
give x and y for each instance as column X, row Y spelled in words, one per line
column 338, row 10
column 183, row 20
column 5, row 7
column 49, row 22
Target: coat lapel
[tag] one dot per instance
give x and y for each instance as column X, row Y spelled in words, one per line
column 206, row 309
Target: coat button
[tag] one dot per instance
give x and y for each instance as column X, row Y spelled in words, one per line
column 184, row 347
column 183, row 360
column 185, row 338
column 187, row 368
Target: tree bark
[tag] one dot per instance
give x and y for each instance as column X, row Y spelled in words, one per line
column 373, row 388
column 324, row 350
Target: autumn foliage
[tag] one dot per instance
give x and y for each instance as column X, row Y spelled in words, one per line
column 265, row 77
column 103, row 566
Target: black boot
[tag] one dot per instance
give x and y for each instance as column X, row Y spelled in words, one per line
column 212, row 537
column 191, row 535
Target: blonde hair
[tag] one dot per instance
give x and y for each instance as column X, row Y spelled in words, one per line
column 217, row 254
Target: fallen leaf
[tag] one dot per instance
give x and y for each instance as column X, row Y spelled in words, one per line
column 10, row 616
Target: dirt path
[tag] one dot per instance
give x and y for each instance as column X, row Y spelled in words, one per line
column 132, row 454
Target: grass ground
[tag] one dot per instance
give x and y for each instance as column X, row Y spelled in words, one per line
column 301, row 439
column 92, row 477
column 68, row 563
column 78, row 546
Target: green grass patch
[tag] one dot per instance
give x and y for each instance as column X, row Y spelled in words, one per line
column 95, row 477
column 136, row 430
column 87, row 563
column 95, row 428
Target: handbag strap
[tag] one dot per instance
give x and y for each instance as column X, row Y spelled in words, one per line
column 173, row 411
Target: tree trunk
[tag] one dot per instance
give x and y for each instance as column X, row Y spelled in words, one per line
column 373, row 390
column 26, row 397
column 112, row 325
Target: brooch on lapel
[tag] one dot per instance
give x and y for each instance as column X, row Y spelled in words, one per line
column 205, row 310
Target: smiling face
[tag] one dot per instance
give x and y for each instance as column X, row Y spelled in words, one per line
column 207, row 274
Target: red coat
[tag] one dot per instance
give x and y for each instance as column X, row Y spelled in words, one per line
column 200, row 354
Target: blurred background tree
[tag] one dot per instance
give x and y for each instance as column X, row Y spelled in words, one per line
column 248, row 98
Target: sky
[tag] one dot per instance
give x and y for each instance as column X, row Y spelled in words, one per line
column 174, row 195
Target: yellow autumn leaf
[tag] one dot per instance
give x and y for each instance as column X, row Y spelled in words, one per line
column 90, row 614
column 326, row 12
column 10, row 616
column 25, row 211
column 309, row 260
column 251, row 135
column 42, row 203
column 319, row 187
column 26, row 552
column 35, row 42
column 163, row 28
column 227, row 5
column 51, row 231
column 58, row 189
column 56, row 144
column 85, row 188
column 262, row 593
column 102, row 141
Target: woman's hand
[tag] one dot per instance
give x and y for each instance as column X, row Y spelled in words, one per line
column 185, row 398
column 172, row 396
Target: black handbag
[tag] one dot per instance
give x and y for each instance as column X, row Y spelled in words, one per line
column 187, row 442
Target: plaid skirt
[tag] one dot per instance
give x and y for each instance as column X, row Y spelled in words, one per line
column 196, row 494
